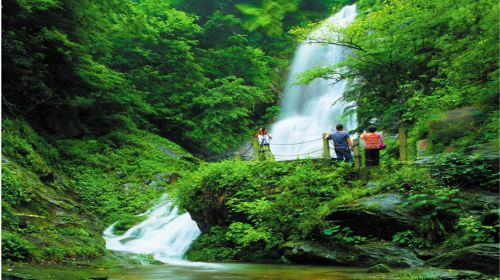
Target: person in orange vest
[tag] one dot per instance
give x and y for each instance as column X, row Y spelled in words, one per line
column 373, row 144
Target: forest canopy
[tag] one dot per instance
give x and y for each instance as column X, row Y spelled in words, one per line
column 201, row 73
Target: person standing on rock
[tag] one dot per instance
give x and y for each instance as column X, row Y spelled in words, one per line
column 342, row 143
column 373, row 144
column 264, row 139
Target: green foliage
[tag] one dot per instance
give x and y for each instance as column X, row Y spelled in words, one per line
column 410, row 179
column 410, row 239
column 212, row 246
column 269, row 16
column 470, row 231
column 343, row 234
column 260, row 206
column 140, row 157
column 435, row 203
column 456, row 169
column 224, row 110
column 13, row 191
column 437, row 211
column 413, row 60
column 53, row 192
column 15, row 247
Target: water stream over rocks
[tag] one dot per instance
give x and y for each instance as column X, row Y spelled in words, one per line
column 166, row 233
column 309, row 110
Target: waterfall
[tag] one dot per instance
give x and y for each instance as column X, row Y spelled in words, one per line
column 307, row 111
column 165, row 233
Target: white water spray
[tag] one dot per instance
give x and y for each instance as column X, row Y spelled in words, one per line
column 165, row 233
column 310, row 110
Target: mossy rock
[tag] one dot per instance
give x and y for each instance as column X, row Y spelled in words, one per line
column 480, row 257
column 368, row 254
column 379, row 215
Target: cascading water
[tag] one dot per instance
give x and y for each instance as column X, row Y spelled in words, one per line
column 310, row 110
column 164, row 233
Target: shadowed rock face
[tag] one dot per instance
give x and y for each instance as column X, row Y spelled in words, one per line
column 480, row 257
column 368, row 254
column 379, row 215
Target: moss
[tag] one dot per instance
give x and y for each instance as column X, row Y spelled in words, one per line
column 58, row 194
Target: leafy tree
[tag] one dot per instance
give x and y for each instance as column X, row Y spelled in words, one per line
column 412, row 59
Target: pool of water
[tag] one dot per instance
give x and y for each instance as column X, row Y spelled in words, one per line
column 239, row 271
column 121, row 268
column 186, row 271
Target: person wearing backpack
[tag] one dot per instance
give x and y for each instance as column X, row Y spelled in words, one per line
column 373, row 144
column 342, row 143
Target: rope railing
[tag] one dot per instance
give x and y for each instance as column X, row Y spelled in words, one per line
column 259, row 154
column 298, row 155
column 298, row 143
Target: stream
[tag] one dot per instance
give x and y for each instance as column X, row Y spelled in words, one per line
column 103, row 269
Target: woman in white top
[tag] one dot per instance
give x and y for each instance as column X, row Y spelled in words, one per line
column 264, row 140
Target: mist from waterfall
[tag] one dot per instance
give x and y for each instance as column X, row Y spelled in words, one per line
column 309, row 110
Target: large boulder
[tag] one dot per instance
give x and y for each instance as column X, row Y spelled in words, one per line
column 367, row 254
column 479, row 257
column 379, row 215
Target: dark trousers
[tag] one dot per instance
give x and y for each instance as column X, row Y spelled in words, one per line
column 344, row 155
column 372, row 157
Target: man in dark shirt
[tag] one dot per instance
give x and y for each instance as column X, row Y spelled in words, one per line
column 342, row 143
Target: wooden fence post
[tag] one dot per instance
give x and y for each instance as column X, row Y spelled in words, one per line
column 256, row 150
column 403, row 145
column 357, row 153
column 326, row 150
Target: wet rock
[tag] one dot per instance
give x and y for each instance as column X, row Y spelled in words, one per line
column 5, row 160
column 151, row 182
column 49, row 177
column 120, row 174
column 476, row 201
column 127, row 186
column 380, row 268
column 480, row 257
column 368, row 254
column 61, row 180
column 168, row 178
column 425, row 254
column 386, row 252
column 168, row 152
column 491, row 217
column 379, row 215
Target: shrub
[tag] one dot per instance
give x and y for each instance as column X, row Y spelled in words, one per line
column 13, row 191
column 437, row 211
column 410, row 179
column 410, row 239
column 342, row 234
column 465, row 171
column 260, row 206
column 15, row 248
column 470, row 231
